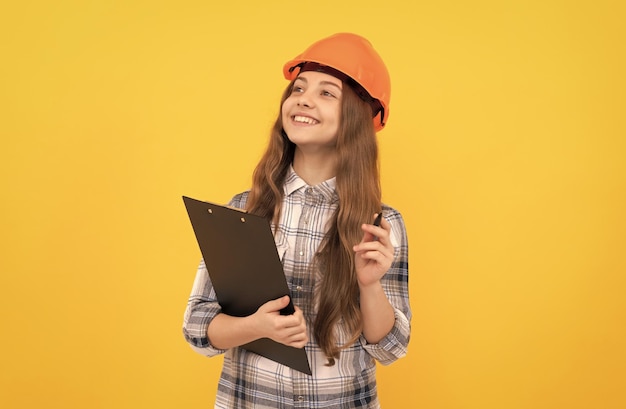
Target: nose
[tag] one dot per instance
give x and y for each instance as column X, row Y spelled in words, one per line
column 305, row 100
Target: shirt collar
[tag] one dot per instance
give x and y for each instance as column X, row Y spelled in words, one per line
column 293, row 183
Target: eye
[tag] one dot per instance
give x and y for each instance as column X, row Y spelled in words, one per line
column 328, row 94
column 297, row 89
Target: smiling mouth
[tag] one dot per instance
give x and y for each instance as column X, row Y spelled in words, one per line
column 305, row 120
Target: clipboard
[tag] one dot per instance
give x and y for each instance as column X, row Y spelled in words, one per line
column 244, row 266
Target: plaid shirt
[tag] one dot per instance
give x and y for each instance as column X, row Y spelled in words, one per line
column 252, row 381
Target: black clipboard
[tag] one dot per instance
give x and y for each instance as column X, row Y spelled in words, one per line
column 243, row 263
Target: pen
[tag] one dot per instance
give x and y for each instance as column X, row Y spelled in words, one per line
column 378, row 219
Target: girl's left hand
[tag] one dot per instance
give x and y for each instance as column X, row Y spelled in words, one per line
column 374, row 254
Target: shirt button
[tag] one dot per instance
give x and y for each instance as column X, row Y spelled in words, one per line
column 299, row 288
column 300, row 398
column 301, row 253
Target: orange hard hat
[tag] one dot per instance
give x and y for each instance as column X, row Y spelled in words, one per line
column 352, row 56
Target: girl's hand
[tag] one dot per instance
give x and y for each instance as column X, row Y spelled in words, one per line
column 374, row 254
column 285, row 329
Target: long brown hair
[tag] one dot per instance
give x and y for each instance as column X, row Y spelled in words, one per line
column 358, row 189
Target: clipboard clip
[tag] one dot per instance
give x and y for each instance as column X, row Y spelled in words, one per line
column 228, row 207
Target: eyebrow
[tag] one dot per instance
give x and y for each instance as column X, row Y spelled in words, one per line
column 321, row 82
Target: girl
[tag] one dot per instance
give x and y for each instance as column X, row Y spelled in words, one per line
column 318, row 183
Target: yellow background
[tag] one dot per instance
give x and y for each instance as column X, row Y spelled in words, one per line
column 505, row 152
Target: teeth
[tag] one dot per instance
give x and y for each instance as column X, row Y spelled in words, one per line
column 304, row 119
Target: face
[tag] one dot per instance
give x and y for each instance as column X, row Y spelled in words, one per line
column 311, row 114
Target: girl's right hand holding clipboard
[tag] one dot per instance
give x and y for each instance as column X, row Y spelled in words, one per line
column 289, row 330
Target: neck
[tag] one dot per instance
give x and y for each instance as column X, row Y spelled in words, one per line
column 314, row 169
